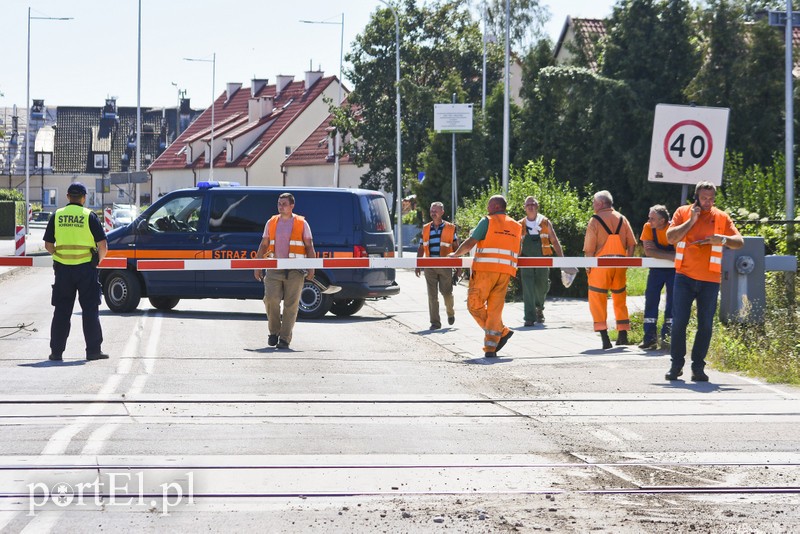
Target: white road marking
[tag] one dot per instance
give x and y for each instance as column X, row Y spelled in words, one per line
column 43, row 522
column 95, row 442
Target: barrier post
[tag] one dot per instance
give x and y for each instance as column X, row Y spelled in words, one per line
column 107, row 219
column 19, row 241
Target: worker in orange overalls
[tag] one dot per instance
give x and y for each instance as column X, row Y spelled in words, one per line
column 498, row 238
column 608, row 234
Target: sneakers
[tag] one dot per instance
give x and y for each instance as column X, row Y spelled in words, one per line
column 55, row 358
column 282, row 344
column 606, row 341
column 97, row 356
column 539, row 316
column 673, row 374
column 435, row 326
column 529, row 323
column 491, row 354
column 451, row 320
column 272, row 340
column 699, row 376
column 648, row 344
column 504, row 340
column 622, row 338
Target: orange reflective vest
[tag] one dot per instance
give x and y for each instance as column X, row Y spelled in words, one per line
column 499, row 250
column 613, row 245
column 297, row 248
column 715, row 260
column 544, row 235
column 446, row 242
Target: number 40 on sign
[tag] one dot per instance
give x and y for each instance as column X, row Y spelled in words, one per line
column 688, row 144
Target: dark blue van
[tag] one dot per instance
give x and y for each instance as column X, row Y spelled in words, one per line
column 217, row 222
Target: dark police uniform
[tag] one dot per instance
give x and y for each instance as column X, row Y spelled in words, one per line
column 75, row 230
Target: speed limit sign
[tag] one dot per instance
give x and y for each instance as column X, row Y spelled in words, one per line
column 688, row 144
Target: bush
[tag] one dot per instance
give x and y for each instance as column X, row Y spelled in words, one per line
column 770, row 350
column 560, row 203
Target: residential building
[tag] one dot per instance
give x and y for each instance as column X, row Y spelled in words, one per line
column 255, row 130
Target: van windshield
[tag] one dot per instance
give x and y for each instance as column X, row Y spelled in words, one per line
column 375, row 214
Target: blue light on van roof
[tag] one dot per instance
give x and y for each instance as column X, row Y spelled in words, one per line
column 216, row 183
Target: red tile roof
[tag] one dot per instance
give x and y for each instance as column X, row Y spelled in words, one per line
column 231, row 115
column 314, row 150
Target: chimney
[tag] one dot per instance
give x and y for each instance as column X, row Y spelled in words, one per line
column 281, row 82
column 312, row 76
column 257, row 85
column 258, row 108
column 232, row 88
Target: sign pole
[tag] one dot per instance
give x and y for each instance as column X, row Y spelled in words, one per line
column 454, row 194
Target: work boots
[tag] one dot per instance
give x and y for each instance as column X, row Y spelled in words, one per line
column 622, row 338
column 606, row 341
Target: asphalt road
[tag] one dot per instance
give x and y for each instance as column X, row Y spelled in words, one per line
column 374, row 423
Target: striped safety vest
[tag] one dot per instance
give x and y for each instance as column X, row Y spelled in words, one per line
column 499, row 250
column 297, row 248
column 74, row 239
column 715, row 260
column 445, row 242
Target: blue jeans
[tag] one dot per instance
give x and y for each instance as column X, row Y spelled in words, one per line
column 705, row 294
column 657, row 279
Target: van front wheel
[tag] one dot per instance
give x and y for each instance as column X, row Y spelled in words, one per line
column 347, row 307
column 164, row 303
column 122, row 292
column 313, row 302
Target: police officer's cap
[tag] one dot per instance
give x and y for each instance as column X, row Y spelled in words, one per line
column 76, row 189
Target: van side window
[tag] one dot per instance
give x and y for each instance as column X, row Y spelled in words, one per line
column 376, row 214
column 241, row 213
column 180, row 214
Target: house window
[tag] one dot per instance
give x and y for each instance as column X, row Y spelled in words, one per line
column 49, row 197
column 101, row 161
column 287, row 151
column 91, row 198
column 44, row 161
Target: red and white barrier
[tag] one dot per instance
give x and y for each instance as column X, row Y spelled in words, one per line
column 30, row 213
column 342, row 263
column 385, row 263
column 19, row 241
column 108, row 224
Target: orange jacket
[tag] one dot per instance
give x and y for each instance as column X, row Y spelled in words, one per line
column 499, row 250
column 445, row 244
column 716, row 222
column 297, row 248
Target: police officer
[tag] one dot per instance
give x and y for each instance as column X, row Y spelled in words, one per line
column 77, row 241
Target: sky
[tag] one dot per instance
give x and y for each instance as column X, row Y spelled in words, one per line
column 83, row 61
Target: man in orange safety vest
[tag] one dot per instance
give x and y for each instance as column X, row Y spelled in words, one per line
column 497, row 237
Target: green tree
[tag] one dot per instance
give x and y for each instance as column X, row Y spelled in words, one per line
column 527, row 21
column 440, row 44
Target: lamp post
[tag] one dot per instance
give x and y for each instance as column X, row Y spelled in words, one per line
column 399, row 192
column 213, row 62
column 181, row 92
column 506, row 105
column 28, row 115
column 339, row 98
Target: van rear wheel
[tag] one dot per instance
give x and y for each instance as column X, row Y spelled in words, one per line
column 164, row 303
column 313, row 302
column 347, row 307
column 122, row 292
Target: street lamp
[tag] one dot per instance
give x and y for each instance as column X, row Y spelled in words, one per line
column 181, row 93
column 399, row 155
column 213, row 62
column 339, row 99
column 506, row 105
column 28, row 115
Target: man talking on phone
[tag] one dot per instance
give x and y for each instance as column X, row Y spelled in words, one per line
column 699, row 232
